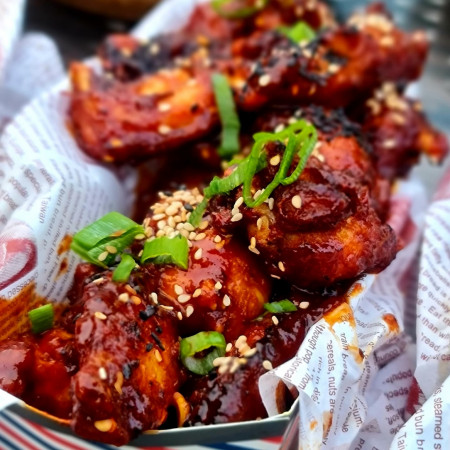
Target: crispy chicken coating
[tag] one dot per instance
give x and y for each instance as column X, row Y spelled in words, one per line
column 129, row 370
column 224, row 286
column 125, row 122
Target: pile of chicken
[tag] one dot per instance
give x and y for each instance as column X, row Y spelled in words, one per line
column 114, row 356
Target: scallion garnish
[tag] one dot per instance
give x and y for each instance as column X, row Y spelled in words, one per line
column 300, row 32
column 198, row 343
column 41, row 318
column 123, row 270
column 301, row 138
column 228, row 116
column 165, row 250
column 301, row 144
column 224, row 185
column 100, row 242
column 282, row 306
column 225, row 8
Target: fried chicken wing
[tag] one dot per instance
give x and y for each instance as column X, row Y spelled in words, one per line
column 123, row 122
column 224, row 286
column 399, row 133
column 129, row 367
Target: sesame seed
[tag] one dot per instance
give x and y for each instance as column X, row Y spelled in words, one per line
column 275, row 160
column 238, row 202
column 161, row 224
column 218, row 285
column 333, row 68
column 99, row 280
column 237, row 217
column 183, row 298
column 179, row 315
column 229, row 347
column 130, row 289
column 198, row 254
column 197, row 293
column 203, row 225
column 296, row 201
column 164, row 129
column 111, row 249
column 100, row 315
column 171, row 210
column 192, row 235
column 103, row 256
column 119, row 382
column 254, row 250
column 264, row 80
column 267, row 365
column 226, row 300
column 154, row 48
column 304, row 305
column 189, row 227
column 189, row 310
column 167, row 308
column 242, row 339
column 275, row 320
column 275, row 276
column 154, row 297
column 158, row 355
column 217, row 239
column 250, row 352
column 200, row 236
column 104, row 425
column 178, row 289
column 259, row 223
column 388, row 143
column 163, row 107
column 281, row 266
column 278, row 129
column 253, row 242
column 270, row 202
column 136, row 300
column 103, row 375
column 159, row 216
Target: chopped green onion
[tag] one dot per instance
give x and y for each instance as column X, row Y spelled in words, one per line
column 300, row 32
column 224, row 185
column 165, row 250
column 301, row 144
column 123, row 270
column 282, row 306
column 100, row 242
column 41, row 318
column 198, row 343
column 228, row 116
column 222, row 7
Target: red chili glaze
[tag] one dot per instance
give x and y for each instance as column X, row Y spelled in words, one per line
column 224, row 398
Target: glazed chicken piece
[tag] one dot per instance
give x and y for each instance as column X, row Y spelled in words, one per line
column 127, row 57
column 224, row 286
column 125, row 122
column 326, row 226
column 128, row 370
column 399, row 132
column 223, row 397
column 27, row 361
column 130, row 121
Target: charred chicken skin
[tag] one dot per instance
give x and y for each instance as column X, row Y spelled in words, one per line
column 117, row 349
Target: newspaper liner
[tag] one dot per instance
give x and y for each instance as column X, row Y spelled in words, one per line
column 348, row 398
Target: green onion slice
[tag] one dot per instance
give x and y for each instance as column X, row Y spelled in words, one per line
column 230, row 8
column 113, row 231
column 282, row 306
column 123, row 271
column 300, row 32
column 41, row 318
column 200, row 342
column 228, row 116
column 224, row 185
column 301, row 144
column 165, row 250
